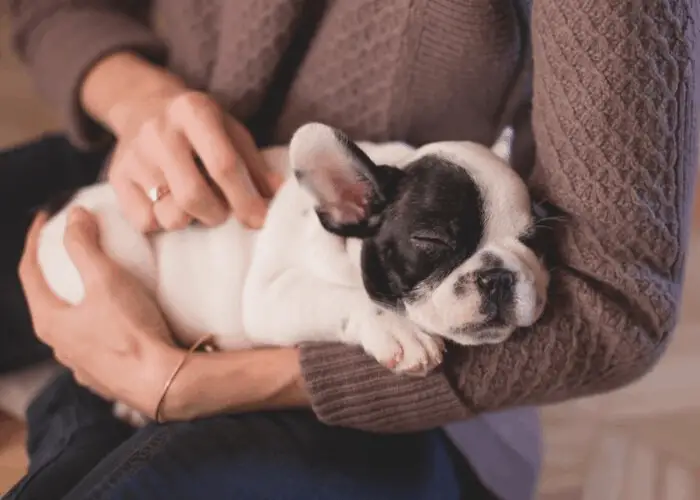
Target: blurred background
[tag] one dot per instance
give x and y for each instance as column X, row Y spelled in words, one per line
column 641, row 443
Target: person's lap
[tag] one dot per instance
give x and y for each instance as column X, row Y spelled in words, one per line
column 282, row 455
column 78, row 450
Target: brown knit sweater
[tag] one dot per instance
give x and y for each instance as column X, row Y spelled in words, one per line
column 614, row 86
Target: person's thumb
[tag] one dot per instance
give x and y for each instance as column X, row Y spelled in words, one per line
column 82, row 242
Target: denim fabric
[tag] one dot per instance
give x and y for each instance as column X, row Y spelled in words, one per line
column 79, row 451
column 70, row 430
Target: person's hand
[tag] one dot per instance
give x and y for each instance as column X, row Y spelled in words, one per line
column 115, row 341
column 153, row 169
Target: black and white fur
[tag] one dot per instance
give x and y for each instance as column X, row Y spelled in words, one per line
column 380, row 245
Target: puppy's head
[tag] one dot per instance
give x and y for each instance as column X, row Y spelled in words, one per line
column 445, row 233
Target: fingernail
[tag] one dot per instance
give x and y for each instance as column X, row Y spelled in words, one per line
column 79, row 217
column 76, row 215
column 257, row 220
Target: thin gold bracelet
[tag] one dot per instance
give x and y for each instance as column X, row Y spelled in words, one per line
column 201, row 342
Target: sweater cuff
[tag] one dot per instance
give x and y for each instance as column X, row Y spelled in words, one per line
column 350, row 389
column 64, row 48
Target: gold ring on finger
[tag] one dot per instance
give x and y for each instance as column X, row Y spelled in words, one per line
column 157, row 193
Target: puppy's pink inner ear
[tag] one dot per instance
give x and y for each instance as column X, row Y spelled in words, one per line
column 349, row 205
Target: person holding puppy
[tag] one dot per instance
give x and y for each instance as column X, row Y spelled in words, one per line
column 601, row 132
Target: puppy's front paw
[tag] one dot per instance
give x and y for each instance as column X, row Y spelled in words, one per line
column 396, row 342
column 129, row 415
column 421, row 353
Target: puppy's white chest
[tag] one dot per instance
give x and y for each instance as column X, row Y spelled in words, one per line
column 201, row 276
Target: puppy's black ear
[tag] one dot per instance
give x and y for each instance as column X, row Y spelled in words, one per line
column 350, row 190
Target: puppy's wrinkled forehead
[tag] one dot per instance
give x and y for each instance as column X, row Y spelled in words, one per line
column 439, row 196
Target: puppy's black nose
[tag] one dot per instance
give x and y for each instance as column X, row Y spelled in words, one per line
column 496, row 283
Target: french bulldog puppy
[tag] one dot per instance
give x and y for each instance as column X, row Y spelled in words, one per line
column 385, row 246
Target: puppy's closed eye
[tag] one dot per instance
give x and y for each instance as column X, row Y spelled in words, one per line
column 432, row 240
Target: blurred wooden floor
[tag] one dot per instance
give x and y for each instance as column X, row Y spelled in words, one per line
column 641, row 443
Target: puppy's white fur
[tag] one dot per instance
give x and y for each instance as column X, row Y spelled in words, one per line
column 292, row 281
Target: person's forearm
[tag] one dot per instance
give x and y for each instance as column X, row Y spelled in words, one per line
column 119, row 80
column 236, row 381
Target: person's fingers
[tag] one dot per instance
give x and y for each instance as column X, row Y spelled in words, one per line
column 82, row 242
column 264, row 177
column 124, row 168
column 31, row 242
column 167, row 213
column 135, row 205
column 40, row 297
column 204, row 126
column 81, row 378
column 270, row 182
column 172, row 153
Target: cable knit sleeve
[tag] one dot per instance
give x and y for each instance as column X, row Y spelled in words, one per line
column 60, row 40
column 615, row 123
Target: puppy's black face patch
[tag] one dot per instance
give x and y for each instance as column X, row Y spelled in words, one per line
column 432, row 224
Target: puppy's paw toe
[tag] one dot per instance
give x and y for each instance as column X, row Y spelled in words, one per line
column 422, row 354
column 396, row 342
column 385, row 350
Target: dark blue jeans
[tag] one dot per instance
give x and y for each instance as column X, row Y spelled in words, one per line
column 78, row 450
